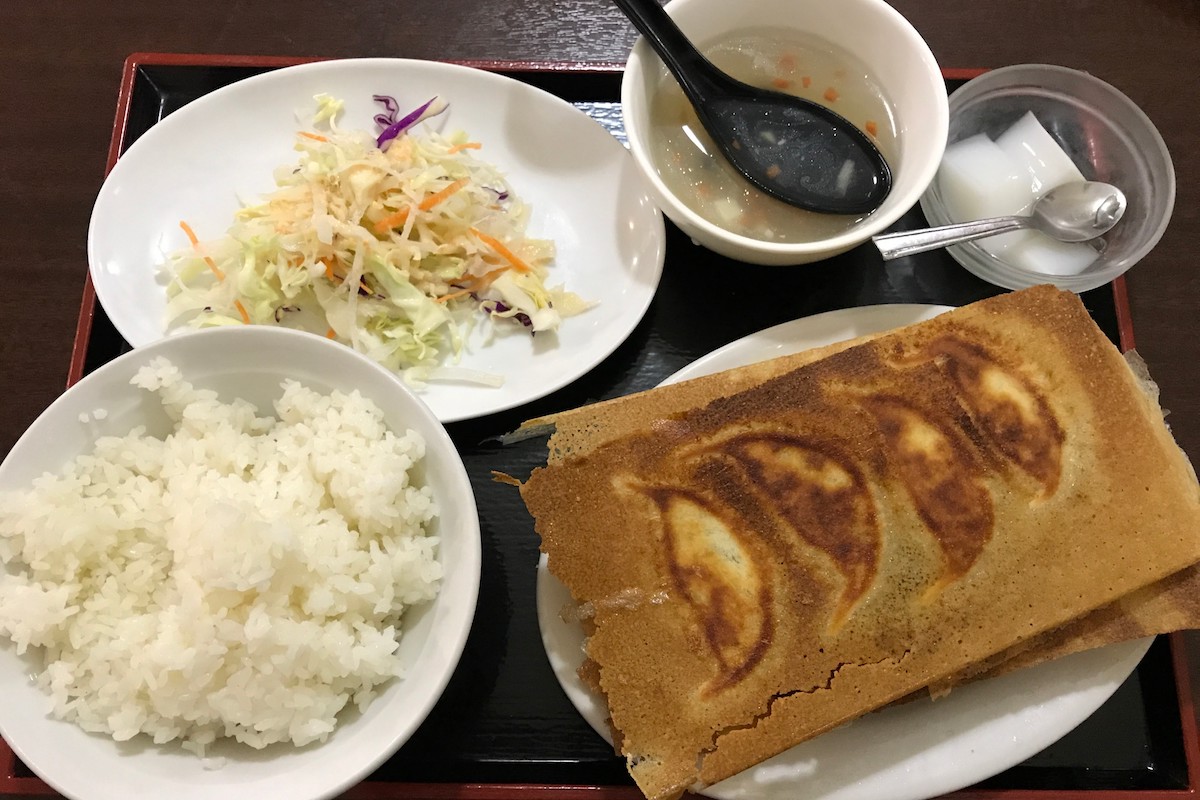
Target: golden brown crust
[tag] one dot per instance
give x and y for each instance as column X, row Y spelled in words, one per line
column 577, row 431
column 1172, row 604
column 996, row 474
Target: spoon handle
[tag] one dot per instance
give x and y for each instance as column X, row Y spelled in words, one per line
column 681, row 57
column 907, row 243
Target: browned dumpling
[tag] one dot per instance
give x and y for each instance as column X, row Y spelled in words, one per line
column 895, row 515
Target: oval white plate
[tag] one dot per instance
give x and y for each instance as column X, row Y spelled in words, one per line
column 909, row 752
column 247, row 363
column 585, row 192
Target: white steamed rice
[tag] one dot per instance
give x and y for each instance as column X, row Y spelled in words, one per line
column 243, row 577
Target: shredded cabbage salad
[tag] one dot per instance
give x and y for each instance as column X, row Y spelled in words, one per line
column 393, row 243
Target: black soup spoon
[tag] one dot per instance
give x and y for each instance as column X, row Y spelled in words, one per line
column 792, row 149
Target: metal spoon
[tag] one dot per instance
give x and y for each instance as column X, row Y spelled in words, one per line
column 793, row 149
column 1073, row 212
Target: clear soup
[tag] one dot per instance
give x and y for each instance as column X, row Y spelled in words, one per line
column 787, row 61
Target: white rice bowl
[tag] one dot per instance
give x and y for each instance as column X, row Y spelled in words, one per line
column 251, row 363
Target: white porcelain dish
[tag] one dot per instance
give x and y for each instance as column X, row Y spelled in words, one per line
column 585, row 192
column 250, row 363
column 914, row 751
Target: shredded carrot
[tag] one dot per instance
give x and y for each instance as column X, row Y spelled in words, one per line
column 335, row 278
column 464, row 146
column 485, row 280
column 437, row 197
column 504, row 252
column 330, row 334
column 242, row 310
column 787, row 61
column 400, row 217
column 191, row 234
column 872, row 128
column 392, row 221
column 781, row 83
column 446, row 298
column 806, row 81
column 831, row 94
column 314, row 136
column 474, row 283
column 196, row 246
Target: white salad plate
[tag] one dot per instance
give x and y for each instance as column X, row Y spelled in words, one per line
column 913, row 751
column 249, row 363
column 201, row 163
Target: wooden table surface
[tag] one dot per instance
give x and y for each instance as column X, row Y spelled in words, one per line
column 60, row 64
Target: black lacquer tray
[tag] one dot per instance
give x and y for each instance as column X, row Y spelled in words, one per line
column 504, row 728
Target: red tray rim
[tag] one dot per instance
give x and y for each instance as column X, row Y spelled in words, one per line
column 13, row 785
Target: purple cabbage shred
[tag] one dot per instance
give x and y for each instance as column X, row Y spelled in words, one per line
column 389, row 103
column 500, row 307
column 400, row 126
